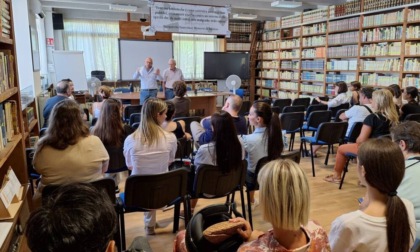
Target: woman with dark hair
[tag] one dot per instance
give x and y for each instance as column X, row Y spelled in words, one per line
column 178, row 128
column 385, row 222
column 265, row 141
column 396, row 92
column 225, row 150
column 410, row 94
column 68, row 153
column 105, row 92
column 355, row 87
column 340, row 89
column 182, row 104
column 112, row 132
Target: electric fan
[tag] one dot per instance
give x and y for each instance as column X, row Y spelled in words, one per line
column 233, row 82
column 93, row 85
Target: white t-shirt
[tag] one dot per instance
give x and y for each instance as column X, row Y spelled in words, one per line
column 357, row 231
column 143, row 159
column 357, row 114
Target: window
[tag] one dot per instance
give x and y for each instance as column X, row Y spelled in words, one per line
column 189, row 52
column 99, row 42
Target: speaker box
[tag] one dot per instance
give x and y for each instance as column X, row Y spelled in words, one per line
column 58, row 23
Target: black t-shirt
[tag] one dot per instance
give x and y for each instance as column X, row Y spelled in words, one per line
column 409, row 108
column 379, row 124
column 240, row 125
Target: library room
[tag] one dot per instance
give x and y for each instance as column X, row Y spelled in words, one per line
column 111, row 125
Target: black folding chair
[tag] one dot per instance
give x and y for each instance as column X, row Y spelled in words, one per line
column 292, row 123
column 353, row 135
column 334, row 110
column 316, row 107
column 297, row 108
column 302, row 102
column 315, row 119
column 281, row 103
column 130, row 109
column 413, row 117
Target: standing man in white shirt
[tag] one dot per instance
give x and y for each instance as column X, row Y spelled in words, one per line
column 148, row 80
column 170, row 75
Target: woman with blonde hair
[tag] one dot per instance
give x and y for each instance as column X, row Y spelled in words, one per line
column 68, row 153
column 285, row 202
column 384, row 222
column 105, row 92
column 150, row 149
column 375, row 125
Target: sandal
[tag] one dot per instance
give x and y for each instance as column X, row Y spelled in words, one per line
column 330, row 178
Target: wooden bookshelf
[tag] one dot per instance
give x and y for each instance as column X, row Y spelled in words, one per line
column 369, row 41
column 12, row 149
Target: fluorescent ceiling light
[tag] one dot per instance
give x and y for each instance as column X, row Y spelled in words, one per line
column 286, row 4
column 244, row 16
column 124, row 8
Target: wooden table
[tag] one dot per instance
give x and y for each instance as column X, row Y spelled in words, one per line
column 201, row 100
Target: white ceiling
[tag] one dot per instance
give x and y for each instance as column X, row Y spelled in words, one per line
column 99, row 9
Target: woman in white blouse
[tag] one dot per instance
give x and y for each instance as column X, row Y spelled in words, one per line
column 340, row 88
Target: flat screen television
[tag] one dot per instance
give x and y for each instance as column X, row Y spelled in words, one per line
column 219, row 65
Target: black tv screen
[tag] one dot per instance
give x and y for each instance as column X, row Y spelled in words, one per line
column 219, row 65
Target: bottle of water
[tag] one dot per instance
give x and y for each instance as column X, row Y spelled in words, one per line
column 131, row 87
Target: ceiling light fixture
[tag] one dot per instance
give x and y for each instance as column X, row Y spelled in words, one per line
column 286, row 4
column 124, row 8
column 244, row 16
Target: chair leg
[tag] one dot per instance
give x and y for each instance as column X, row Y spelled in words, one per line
column 187, row 214
column 241, row 191
column 344, row 174
column 248, row 199
column 122, row 227
column 328, row 155
column 312, row 160
column 176, row 217
column 292, row 140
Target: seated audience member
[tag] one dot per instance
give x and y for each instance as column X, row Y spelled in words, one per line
column 63, row 90
column 112, row 132
column 203, row 133
column 397, row 94
column 359, row 113
column 150, row 149
column 265, row 141
column 385, row 222
column 182, row 103
column 78, row 218
column 71, row 85
column 407, row 136
column 340, row 88
column 178, row 128
column 225, row 149
column 374, row 125
column 67, row 152
column 411, row 95
column 105, row 92
column 355, row 87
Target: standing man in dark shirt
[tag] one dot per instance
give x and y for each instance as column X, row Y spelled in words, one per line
column 63, row 90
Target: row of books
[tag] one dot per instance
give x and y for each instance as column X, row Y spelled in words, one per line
column 383, row 65
column 412, row 32
column 384, row 18
column 271, row 45
column 345, row 9
column 288, row 85
column 413, row 15
column 332, row 78
column 312, row 76
column 311, row 88
column 5, row 18
column 269, row 74
column 8, row 122
column 369, row 5
column 290, row 75
column 290, row 64
column 342, row 65
column 381, row 49
column 313, row 64
column 295, row 53
column 412, row 48
column 238, row 46
column 239, row 27
column 345, row 24
column 267, row 83
column 239, row 37
column 412, row 65
column 270, row 35
column 343, row 51
column 270, row 64
column 411, row 81
column 268, row 55
column 375, row 79
column 341, row 38
column 382, row 33
column 7, row 73
column 318, row 52
column 291, row 20
column 315, row 15
column 290, row 43
column 313, row 41
column 270, row 25
column 314, row 29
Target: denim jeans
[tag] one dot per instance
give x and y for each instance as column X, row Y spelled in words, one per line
column 169, row 94
column 146, row 93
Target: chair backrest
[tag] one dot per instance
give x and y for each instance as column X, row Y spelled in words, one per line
column 98, row 74
column 412, row 117
column 322, row 98
column 155, row 190
column 297, row 108
column 281, row 103
column 334, row 110
column 315, row 107
column 302, row 102
column 134, row 126
column 130, row 109
column 211, row 180
column 331, row 132
column 292, row 155
column 318, row 117
column 134, row 117
column 355, row 130
column 291, row 121
column 188, row 120
column 276, row 109
column 337, row 116
column 32, row 174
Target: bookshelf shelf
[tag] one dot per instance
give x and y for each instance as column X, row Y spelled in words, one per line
column 9, row 148
column 314, row 34
column 6, row 40
column 7, row 94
